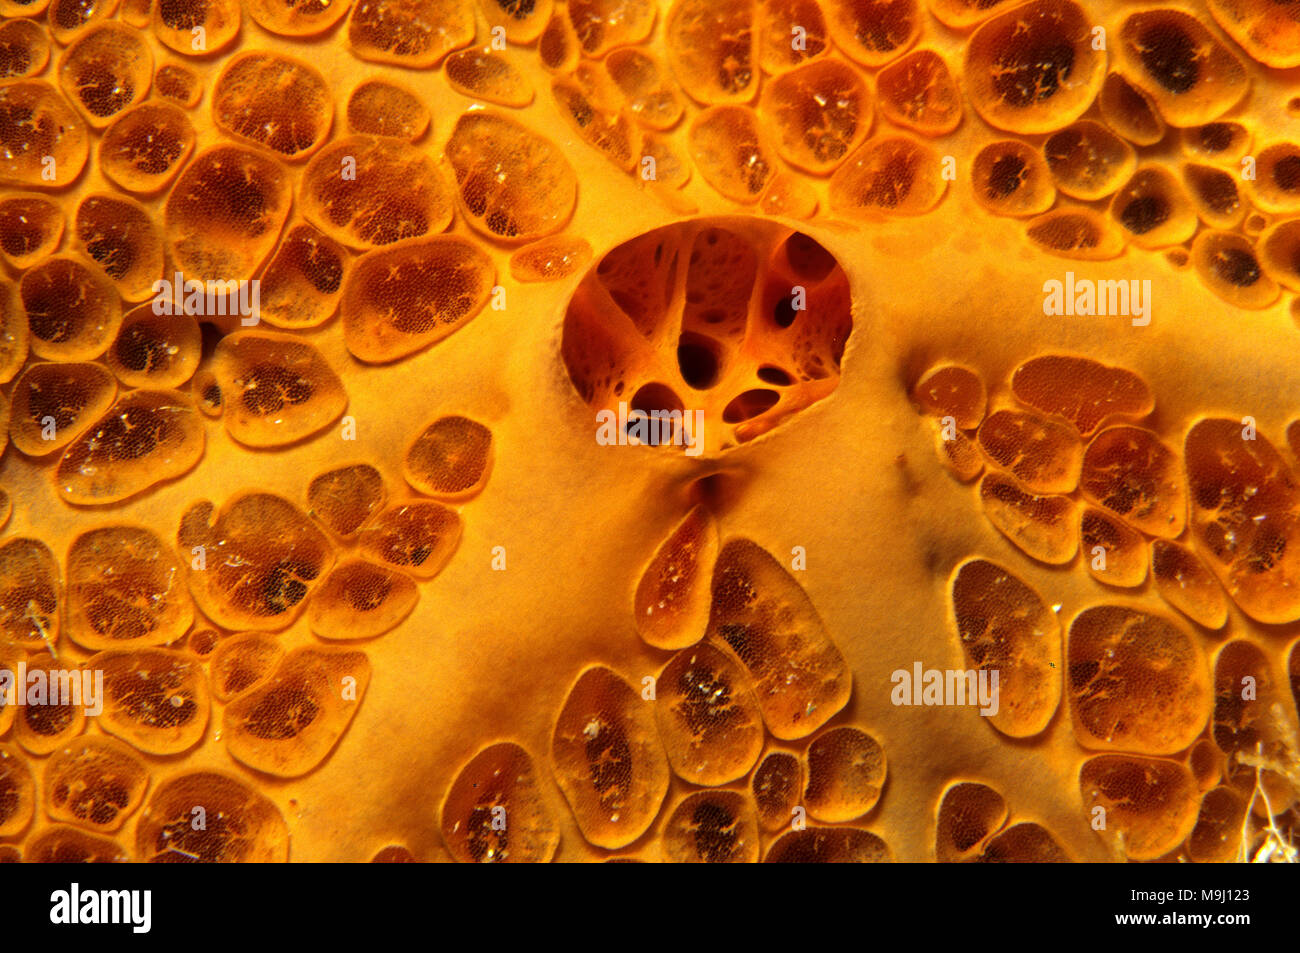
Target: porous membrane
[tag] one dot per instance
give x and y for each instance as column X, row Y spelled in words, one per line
column 292, row 603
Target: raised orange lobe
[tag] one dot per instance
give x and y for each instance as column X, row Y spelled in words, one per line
column 1150, row 805
column 1075, row 233
column 1153, row 210
column 360, row 600
column 262, row 558
column 821, row 112
column 380, row 107
column 919, row 92
column 608, row 760
column 1005, row 627
column 155, row 350
column 411, row 33
column 1191, row 77
column 1245, row 522
column 53, row 403
column 1130, row 111
column 450, row 459
column 346, row 497
column 36, row 126
column 969, row 814
column 196, row 27
column 846, row 772
column 31, row 227
column 94, row 782
column 146, row 146
column 1045, row 456
column 399, row 300
column 712, row 827
column 242, row 662
column 269, row 100
column 495, row 811
column 242, row 826
column 888, row 175
column 126, row 588
column 60, row 844
column 156, row 700
column 829, row 845
column 417, row 537
column 1114, row 553
column 145, row 438
column 713, row 49
column 551, row 259
column 672, row 598
column 297, row 17
column 107, row 69
column 177, row 82
column 120, row 236
column 1010, row 178
column 1081, row 390
column 762, row 615
column 302, row 284
column 31, row 598
column 1130, row 472
column 368, row 191
column 514, row 185
column 17, row 792
column 276, row 388
column 1088, row 161
column 289, row 724
column 1034, row 69
column 224, row 214
column 24, row 49
column 708, row 719
column 777, row 786
column 488, row 76
column 73, row 309
column 1186, row 583
column 873, row 32
column 651, row 96
column 1044, row 526
column 1118, row 659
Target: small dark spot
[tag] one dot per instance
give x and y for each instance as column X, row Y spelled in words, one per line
column 1286, row 173
column 1170, row 56
column 1006, row 175
column 769, row 374
column 1145, row 213
column 783, row 312
column 1216, row 137
column 697, row 358
column 1237, row 267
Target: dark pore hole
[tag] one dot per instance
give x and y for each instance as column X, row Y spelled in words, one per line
column 770, row 374
column 749, row 404
column 783, row 312
column 653, row 399
column 698, row 360
column 807, row 258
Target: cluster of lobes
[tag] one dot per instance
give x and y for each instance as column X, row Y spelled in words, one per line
column 1191, row 737
column 738, row 318
column 728, row 759
column 188, row 637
